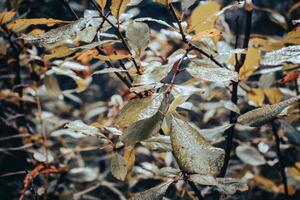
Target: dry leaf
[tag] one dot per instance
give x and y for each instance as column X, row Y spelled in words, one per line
column 203, row 17
column 118, row 167
column 6, row 16
column 129, row 156
column 20, row 24
column 102, row 4
column 256, row 95
column 111, row 57
column 273, row 94
column 207, row 33
column 251, row 63
column 59, row 52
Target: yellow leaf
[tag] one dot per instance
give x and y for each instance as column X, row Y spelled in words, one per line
column 266, row 44
column 203, row 17
column 6, row 16
column 23, row 23
column 266, row 183
column 293, row 37
column 59, row 53
column 102, row 4
column 129, row 155
column 36, row 31
column 86, row 56
column 118, row 7
column 206, row 33
column 112, row 57
column 251, row 63
column 257, row 96
column 274, row 95
column 164, row 2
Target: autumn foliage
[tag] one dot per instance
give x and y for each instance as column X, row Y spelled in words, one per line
column 190, row 102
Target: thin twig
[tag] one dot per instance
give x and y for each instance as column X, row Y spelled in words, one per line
column 280, row 158
column 124, row 80
column 67, row 5
column 298, row 93
column 234, row 95
column 119, row 34
column 195, row 189
column 191, row 46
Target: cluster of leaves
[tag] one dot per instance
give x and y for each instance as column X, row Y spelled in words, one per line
column 163, row 80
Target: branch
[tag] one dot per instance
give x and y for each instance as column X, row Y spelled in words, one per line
column 280, row 158
column 119, row 34
column 191, row 46
column 67, row 5
column 124, row 80
column 234, row 96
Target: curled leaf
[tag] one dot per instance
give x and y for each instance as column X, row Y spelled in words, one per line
column 260, row 116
